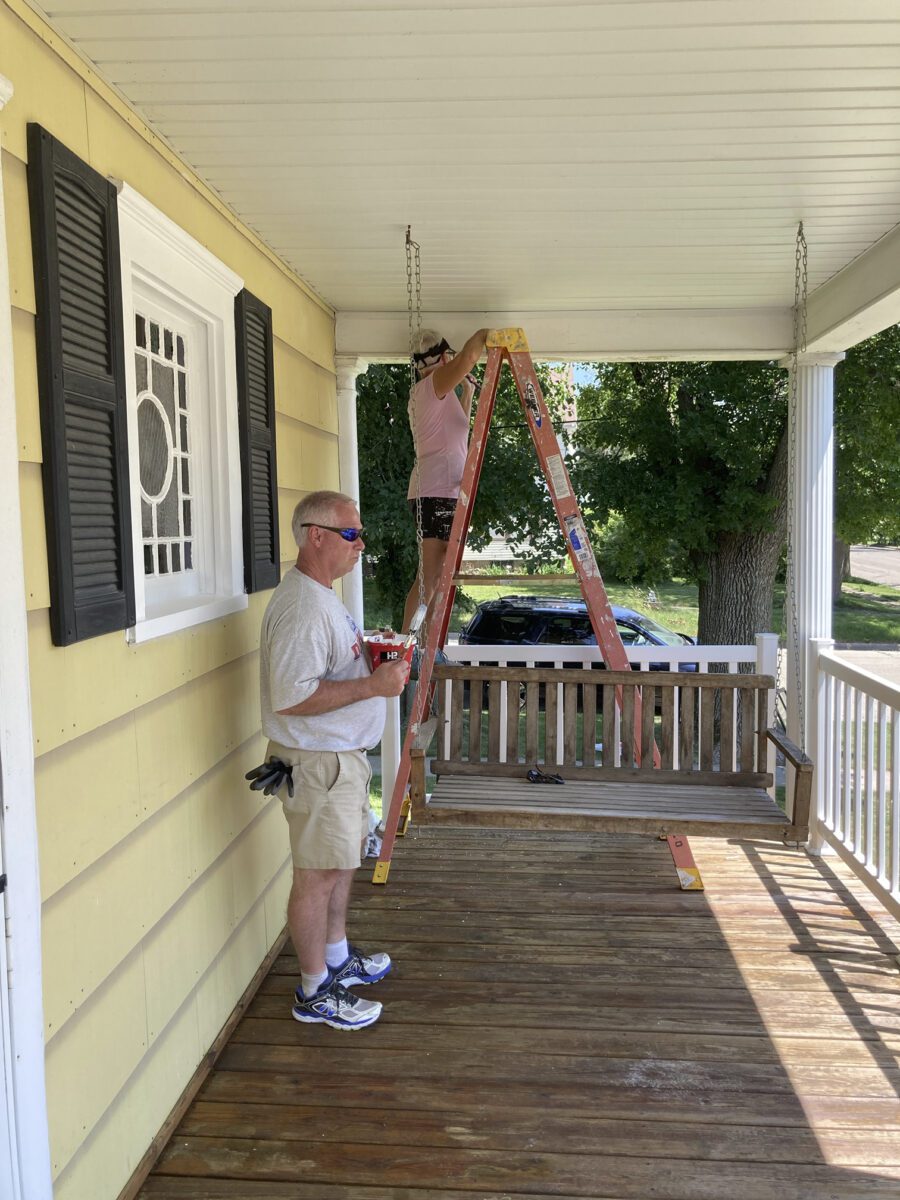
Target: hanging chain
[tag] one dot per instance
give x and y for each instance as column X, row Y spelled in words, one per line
column 801, row 289
column 414, row 306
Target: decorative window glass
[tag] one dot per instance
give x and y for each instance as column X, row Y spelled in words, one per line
column 178, row 303
column 164, row 450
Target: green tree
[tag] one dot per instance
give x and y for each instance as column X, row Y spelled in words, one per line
column 694, row 458
column 691, row 459
column 512, row 497
column 867, row 446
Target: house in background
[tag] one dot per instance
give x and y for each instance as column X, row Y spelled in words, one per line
column 170, row 386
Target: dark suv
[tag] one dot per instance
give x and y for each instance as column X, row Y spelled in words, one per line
column 540, row 620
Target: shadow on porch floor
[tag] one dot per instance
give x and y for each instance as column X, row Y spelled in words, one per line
column 563, row 1022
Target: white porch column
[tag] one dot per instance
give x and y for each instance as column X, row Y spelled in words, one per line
column 25, row 1153
column 348, row 464
column 812, row 508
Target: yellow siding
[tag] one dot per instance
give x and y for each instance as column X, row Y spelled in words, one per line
column 306, row 392
column 163, row 877
column 28, row 422
column 131, row 675
column 307, row 458
column 165, row 1069
column 43, row 92
column 37, row 583
column 18, row 233
column 88, row 800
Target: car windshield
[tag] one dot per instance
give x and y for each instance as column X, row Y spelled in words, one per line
column 659, row 632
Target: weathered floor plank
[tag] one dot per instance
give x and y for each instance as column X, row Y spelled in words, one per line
column 563, row 1022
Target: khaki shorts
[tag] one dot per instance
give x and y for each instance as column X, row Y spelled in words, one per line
column 328, row 815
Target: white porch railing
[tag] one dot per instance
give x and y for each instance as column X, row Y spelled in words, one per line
column 762, row 658
column 857, row 760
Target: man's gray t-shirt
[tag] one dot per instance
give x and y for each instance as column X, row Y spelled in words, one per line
column 308, row 636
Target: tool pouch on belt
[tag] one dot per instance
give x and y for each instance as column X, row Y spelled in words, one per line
column 269, row 776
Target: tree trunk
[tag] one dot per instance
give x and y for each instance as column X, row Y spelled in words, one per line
column 841, row 567
column 739, row 575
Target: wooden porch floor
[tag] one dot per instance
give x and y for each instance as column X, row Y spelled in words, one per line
column 563, row 1022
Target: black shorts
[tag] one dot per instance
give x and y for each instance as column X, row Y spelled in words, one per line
column 437, row 515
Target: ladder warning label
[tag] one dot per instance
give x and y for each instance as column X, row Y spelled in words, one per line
column 559, row 484
column 577, row 539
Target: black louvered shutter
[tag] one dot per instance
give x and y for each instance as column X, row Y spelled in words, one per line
column 259, row 477
column 81, row 378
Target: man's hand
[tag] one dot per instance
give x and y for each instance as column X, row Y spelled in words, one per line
column 389, row 678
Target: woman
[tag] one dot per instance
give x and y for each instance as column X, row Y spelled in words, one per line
column 440, row 426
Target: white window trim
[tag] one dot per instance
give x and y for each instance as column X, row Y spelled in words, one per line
column 159, row 258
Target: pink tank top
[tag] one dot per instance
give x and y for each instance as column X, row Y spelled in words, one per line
column 441, row 436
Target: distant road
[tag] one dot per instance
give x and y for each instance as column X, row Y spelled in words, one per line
column 877, row 564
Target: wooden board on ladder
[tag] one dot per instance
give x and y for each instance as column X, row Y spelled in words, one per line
column 511, row 345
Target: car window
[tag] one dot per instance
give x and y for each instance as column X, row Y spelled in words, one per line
column 504, row 627
column 631, row 636
column 568, row 631
column 662, row 636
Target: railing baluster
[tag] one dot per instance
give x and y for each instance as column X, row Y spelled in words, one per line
column 856, row 840
column 881, row 793
column 848, row 765
column 869, row 785
column 833, row 738
column 895, row 802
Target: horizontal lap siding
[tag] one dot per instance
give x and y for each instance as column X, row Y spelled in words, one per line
column 163, row 877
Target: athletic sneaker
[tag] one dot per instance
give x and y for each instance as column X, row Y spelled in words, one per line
column 334, row 1005
column 362, row 968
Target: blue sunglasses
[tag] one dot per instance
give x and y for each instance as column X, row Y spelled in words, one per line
column 349, row 535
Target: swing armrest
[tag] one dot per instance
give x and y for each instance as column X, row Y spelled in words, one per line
column 803, row 765
column 790, row 750
column 422, row 740
column 420, row 744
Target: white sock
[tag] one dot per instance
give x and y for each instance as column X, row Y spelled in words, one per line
column 337, row 953
column 310, row 984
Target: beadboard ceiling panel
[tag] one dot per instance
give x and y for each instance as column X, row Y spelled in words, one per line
column 592, row 155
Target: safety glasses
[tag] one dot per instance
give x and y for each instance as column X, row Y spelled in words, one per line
column 349, row 535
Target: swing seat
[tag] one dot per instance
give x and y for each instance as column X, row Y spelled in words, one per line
column 696, row 763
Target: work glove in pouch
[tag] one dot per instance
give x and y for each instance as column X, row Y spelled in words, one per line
column 269, row 777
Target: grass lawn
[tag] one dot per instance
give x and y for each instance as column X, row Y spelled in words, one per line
column 866, row 612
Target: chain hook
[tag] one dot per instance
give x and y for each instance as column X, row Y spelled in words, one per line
column 414, row 306
column 801, row 291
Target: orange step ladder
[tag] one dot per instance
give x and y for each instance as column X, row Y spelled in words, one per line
column 510, row 345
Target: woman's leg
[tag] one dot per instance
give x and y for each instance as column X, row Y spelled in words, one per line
column 434, row 551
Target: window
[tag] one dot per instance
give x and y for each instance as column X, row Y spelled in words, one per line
column 161, row 365
column 631, row 636
column 181, row 390
column 569, row 631
column 153, row 458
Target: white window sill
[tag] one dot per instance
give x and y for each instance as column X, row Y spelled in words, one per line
column 205, row 608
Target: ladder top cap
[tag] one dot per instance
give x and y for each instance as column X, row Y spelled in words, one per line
column 513, row 340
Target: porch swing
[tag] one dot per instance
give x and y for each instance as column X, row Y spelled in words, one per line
column 670, row 753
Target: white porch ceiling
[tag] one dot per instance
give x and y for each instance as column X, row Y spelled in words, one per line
column 571, row 157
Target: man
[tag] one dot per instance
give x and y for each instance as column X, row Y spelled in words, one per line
column 322, row 707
